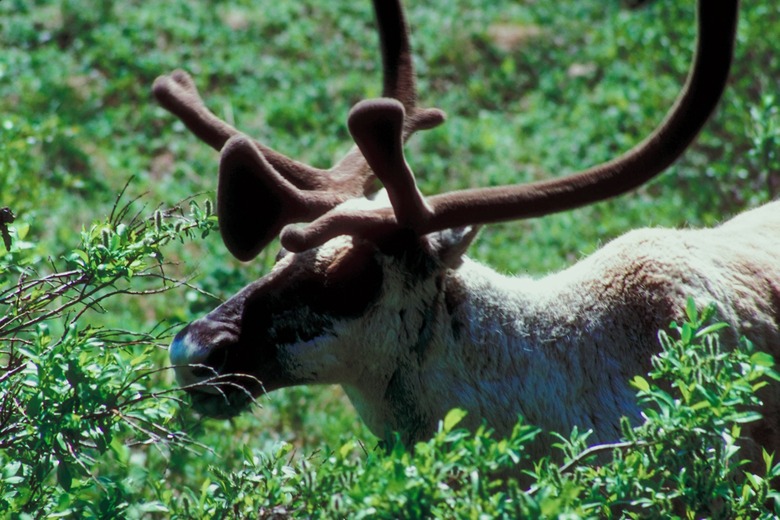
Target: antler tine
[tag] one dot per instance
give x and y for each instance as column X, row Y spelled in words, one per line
column 377, row 127
column 398, row 77
column 400, row 81
column 251, row 191
column 178, row 94
column 698, row 99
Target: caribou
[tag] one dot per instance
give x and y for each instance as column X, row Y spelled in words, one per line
column 373, row 290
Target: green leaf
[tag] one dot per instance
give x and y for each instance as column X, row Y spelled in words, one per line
column 690, row 311
column 82, row 255
column 346, row 449
column 453, row 417
column 687, row 333
column 762, row 359
column 64, row 476
column 640, row 383
column 22, row 229
column 768, row 459
column 700, row 405
column 747, row 417
column 710, row 329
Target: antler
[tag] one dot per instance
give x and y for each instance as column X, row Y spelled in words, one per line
column 177, row 94
column 261, row 190
column 375, row 128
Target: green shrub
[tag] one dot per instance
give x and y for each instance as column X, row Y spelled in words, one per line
column 75, row 397
column 89, row 418
column 683, row 462
column 90, row 421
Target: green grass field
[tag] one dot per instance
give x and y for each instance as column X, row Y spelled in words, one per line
column 532, row 90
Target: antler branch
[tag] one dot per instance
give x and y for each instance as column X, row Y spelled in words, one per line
column 254, row 200
column 245, row 224
column 709, row 73
column 178, row 94
column 377, row 127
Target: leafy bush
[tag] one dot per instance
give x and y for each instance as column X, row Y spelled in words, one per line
column 90, row 421
column 77, row 418
column 75, row 397
column 683, row 462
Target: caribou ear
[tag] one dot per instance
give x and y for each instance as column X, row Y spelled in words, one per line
column 248, row 209
column 450, row 245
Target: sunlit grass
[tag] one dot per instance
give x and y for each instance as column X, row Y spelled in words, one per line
column 532, row 90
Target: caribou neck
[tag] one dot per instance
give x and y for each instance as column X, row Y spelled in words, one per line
column 500, row 346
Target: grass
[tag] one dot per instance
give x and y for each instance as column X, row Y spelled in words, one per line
column 532, row 90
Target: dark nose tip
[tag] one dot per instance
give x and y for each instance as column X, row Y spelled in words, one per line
column 180, row 350
column 199, row 352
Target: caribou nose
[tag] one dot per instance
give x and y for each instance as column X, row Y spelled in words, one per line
column 181, row 349
column 193, row 360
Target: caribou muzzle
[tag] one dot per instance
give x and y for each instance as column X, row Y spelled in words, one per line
column 214, row 366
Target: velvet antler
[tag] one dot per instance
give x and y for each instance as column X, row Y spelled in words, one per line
column 375, row 131
column 261, row 190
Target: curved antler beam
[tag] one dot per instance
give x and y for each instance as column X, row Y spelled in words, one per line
column 717, row 20
column 177, row 93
